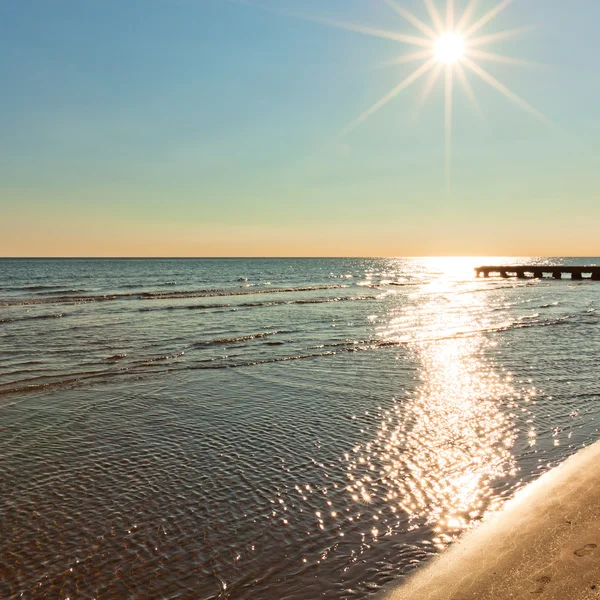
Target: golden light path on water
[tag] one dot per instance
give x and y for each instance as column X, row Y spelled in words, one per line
column 437, row 453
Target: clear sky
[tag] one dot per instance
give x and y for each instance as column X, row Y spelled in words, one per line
column 213, row 128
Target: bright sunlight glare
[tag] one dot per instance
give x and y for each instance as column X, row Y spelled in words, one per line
column 449, row 48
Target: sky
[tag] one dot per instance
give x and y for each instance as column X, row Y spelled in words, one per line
column 220, row 128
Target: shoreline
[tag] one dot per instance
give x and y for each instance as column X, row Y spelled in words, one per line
column 545, row 543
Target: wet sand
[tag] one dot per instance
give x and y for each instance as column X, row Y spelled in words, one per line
column 544, row 544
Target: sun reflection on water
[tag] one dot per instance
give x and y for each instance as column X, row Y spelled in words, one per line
column 438, row 452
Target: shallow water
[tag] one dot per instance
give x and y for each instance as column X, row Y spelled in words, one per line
column 274, row 428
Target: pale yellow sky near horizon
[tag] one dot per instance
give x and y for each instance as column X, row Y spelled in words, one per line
column 55, row 237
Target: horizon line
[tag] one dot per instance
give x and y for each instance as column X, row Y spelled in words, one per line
column 286, row 257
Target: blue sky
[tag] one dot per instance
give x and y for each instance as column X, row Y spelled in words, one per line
column 207, row 127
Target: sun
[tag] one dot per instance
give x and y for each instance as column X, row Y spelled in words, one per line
column 449, row 48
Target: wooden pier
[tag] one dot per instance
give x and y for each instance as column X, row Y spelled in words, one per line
column 539, row 271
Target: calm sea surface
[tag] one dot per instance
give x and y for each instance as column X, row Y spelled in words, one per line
column 267, row 429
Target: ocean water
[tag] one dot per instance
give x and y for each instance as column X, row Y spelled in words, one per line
column 274, row 428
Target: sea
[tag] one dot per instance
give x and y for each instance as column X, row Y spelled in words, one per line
column 266, row 429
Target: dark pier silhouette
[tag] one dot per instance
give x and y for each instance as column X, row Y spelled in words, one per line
column 539, row 271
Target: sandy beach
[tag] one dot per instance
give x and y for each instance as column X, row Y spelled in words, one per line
column 544, row 544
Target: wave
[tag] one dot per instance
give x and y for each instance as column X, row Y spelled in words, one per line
column 138, row 286
column 371, row 344
column 62, row 291
column 29, row 386
column 264, row 361
column 161, row 358
column 22, row 372
column 31, row 288
column 260, row 304
column 208, row 293
column 33, row 317
column 383, row 284
column 325, row 300
column 160, row 364
column 45, row 381
column 191, row 307
column 237, row 340
column 232, row 292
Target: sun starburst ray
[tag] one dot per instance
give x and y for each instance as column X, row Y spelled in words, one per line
column 390, row 95
column 500, row 58
column 448, row 119
column 373, row 31
column 466, row 16
column 450, row 15
column 491, row 80
column 406, row 58
column 435, row 16
column 494, row 12
column 411, row 18
column 496, row 37
column 468, row 88
column 430, row 82
column 425, row 91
